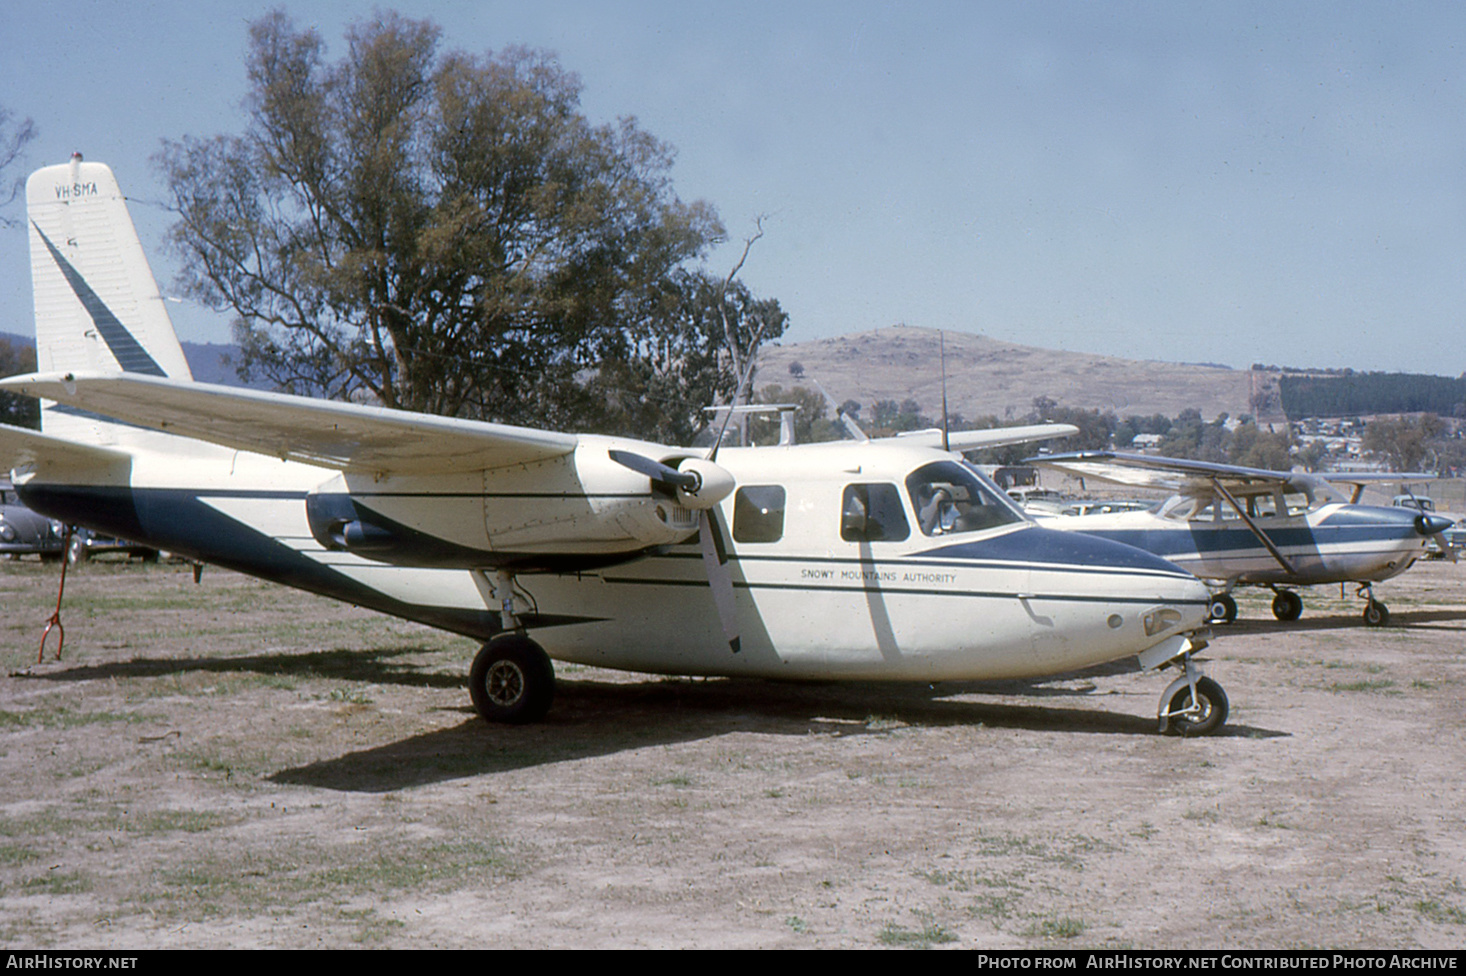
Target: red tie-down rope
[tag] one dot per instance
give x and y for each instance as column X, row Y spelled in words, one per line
column 55, row 621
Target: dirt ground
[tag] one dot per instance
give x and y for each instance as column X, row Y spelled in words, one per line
column 235, row 764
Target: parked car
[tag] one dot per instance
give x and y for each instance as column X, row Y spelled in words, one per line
column 24, row 532
column 85, row 544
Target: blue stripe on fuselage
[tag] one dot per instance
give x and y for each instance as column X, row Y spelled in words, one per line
column 181, row 521
column 1351, row 526
column 1052, row 547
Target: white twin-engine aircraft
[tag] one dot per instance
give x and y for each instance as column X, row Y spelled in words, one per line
column 886, row 559
column 1237, row 526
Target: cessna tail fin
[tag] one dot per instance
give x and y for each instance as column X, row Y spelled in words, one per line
column 98, row 308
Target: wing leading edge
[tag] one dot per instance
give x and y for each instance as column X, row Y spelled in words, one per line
column 344, row 436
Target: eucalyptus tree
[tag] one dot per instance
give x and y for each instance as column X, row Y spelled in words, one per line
column 447, row 232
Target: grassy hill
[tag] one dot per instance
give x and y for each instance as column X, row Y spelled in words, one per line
column 984, row 376
column 987, row 376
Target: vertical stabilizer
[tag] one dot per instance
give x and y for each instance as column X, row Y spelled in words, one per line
column 98, row 308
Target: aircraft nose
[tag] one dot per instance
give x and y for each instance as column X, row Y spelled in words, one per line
column 1431, row 524
column 1128, row 571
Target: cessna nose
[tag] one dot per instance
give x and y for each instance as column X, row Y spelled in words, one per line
column 1431, row 524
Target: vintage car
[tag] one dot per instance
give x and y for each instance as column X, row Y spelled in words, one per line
column 25, row 533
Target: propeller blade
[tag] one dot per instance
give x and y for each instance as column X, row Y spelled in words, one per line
column 720, row 580
column 688, row 481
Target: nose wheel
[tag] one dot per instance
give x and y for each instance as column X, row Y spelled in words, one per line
column 1223, row 609
column 1198, row 710
column 1376, row 614
column 1193, row 704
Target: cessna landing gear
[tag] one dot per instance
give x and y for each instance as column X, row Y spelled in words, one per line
column 1287, row 604
column 512, row 680
column 1223, row 609
column 1376, row 614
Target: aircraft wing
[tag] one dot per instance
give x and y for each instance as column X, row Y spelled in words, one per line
column 974, row 440
column 1375, row 477
column 1171, row 474
column 21, row 447
column 345, row 436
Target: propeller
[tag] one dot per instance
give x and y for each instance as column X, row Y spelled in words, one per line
column 1432, row 526
column 1435, row 526
column 698, row 485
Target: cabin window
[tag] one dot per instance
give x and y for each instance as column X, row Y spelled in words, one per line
column 758, row 514
column 1262, row 506
column 1297, row 502
column 949, row 498
column 872, row 513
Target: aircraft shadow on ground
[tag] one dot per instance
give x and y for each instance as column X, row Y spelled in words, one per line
column 375, row 666
column 1423, row 619
column 592, row 719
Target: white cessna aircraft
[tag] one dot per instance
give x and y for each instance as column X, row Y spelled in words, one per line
column 878, row 560
column 1233, row 525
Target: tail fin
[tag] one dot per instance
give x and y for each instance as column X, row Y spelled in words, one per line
column 98, row 308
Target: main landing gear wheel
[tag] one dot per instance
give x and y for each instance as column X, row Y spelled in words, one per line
column 1223, row 609
column 512, row 680
column 1376, row 614
column 1207, row 716
column 1287, row 605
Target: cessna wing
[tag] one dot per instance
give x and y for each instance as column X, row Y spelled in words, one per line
column 1180, row 475
column 344, row 436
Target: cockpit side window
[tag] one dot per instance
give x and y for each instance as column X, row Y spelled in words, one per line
column 950, row 498
column 872, row 513
column 758, row 514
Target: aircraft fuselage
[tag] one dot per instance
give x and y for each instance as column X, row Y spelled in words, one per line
column 1010, row 600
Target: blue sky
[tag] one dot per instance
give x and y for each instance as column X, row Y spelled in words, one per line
column 1232, row 183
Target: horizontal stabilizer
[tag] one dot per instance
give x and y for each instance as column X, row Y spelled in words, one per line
column 344, row 436
column 974, row 440
column 21, row 447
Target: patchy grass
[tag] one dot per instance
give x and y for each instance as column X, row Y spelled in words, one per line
column 929, row 933
column 1062, row 927
column 1383, row 685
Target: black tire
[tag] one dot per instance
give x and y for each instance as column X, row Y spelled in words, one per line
column 1376, row 614
column 1213, row 709
column 1223, row 609
column 1287, row 605
column 512, row 681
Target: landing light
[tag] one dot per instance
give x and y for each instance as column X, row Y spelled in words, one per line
column 1160, row 621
